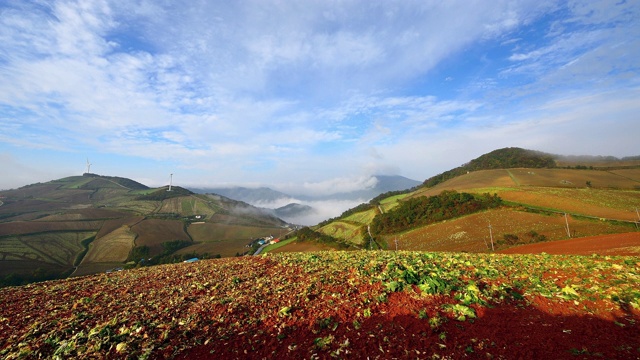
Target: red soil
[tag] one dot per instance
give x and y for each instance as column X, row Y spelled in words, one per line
column 616, row 244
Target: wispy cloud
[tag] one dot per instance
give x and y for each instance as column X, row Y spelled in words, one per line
column 293, row 93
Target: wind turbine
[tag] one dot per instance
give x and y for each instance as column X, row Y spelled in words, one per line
column 170, row 181
column 88, row 166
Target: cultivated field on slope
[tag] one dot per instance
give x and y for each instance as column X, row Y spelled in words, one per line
column 573, row 178
column 601, row 203
column 471, row 233
column 599, row 164
column 154, row 232
column 362, row 217
column 335, row 304
column 113, row 247
column 521, row 178
column 112, row 225
column 34, row 227
column 627, row 244
column 57, row 248
column 225, row 239
column 391, row 202
column 349, row 231
column 543, row 188
column 83, row 214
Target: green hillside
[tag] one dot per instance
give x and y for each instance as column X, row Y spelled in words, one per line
column 80, row 225
column 534, row 196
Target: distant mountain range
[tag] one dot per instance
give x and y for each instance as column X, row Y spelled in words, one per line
column 293, row 208
column 383, row 183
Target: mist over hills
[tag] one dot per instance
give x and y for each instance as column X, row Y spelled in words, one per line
column 309, row 209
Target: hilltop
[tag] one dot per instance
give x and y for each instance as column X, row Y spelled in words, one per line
column 539, row 201
column 86, row 224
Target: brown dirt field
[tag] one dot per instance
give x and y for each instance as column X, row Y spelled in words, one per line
column 213, row 232
column 632, row 174
column 471, row 233
column 564, row 178
column 615, row 244
column 572, row 178
column 227, row 248
column 112, row 225
column 153, row 232
column 473, row 180
column 302, row 247
column 281, row 307
column 597, row 164
column 610, row 204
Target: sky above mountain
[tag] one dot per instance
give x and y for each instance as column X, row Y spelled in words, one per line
column 308, row 94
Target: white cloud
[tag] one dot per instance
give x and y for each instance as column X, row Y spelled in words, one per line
column 314, row 93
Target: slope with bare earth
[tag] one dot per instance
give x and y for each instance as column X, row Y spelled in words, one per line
column 627, row 244
column 472, row 234
column 352, row 305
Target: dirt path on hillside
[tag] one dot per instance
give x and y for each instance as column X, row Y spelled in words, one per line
column 627, row 244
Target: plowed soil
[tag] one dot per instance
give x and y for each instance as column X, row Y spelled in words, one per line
column 616, row 244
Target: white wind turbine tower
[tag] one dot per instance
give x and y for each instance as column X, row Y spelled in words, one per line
column 170, row 181
column 88, row 166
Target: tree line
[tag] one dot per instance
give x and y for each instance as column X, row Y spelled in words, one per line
column 420, row 211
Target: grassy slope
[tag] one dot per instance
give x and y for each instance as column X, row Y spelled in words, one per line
column 611, row 195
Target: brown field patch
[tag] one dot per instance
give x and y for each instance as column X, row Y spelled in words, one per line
column 627, row 244
column 471, row 233
column 113, row 247
column 472, row 180
column 112, row 225
column 611, row 204
column 631, row 174
column 572, row 178
column 154, row 232
column 213, row 232
column 598, row 164
column 226, row 248
column 523, row 177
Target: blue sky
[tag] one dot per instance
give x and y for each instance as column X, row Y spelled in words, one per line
column 308, row 96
